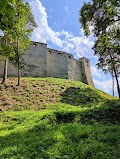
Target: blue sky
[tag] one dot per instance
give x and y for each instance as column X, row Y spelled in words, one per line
column 59, row 27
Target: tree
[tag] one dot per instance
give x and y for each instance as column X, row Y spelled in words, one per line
column 6, row 23
column 23, row 27
column 6, row 52
column 108, row 60
column 22, row 22
column 104, row 17
column 100, row 14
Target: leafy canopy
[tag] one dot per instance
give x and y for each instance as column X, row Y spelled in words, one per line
column 101, row 14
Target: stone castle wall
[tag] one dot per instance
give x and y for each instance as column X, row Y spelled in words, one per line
column 57, row 65
column 35, row 59
column 41, row 61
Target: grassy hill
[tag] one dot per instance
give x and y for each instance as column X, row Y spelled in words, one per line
column 37, row 93
column 47, row 118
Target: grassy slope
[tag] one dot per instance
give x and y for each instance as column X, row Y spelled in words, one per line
column 37, row 93
column 74, row 121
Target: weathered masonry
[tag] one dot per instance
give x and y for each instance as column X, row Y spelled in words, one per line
column 41, row 61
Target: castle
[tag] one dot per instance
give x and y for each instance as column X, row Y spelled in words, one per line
column 41, row 61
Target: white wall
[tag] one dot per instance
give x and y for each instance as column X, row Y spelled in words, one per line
column 57, row 63
column 36, row 60
column 77, row 70
column 41, row 61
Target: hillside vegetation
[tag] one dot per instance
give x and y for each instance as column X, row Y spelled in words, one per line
column 37, row 93
column 47, row 118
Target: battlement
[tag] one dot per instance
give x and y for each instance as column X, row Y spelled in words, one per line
column 41, row 61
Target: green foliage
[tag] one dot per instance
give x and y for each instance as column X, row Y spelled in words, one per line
column 38, row 134
column 101, row 14
column 17, row 23
column 6, row 15
column 38, row 93
column 84, row 130
column 7, row 51
column 104, row 49
column 104, row 17
column 9, row 10
column 77, row 96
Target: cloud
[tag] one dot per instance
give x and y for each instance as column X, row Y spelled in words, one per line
column 105, row 85
column 102, row 81
column 1, row 33
column 96, row 72
column 65, row 41
column 66, row 10
column 43, row 32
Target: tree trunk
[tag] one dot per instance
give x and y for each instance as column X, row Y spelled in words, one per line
column 113, row 83
column 18, row 63
column 116, row 77
column 4, row 81
column 18, row 72
column 118, row 87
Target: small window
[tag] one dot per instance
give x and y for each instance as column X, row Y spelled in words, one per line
column 34, row 44
column 50, row 52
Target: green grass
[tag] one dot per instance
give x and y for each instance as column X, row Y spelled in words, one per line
column 37, row 93
column 50, row 118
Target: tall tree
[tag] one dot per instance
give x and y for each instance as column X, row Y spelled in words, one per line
column 108, row 60
column 19, row 24
column 104, row 17
column 23, row 27
column 6, row 23
column 6, row 52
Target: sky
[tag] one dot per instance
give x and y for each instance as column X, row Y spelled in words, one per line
column 59, row 27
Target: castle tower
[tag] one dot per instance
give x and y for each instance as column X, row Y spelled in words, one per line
column 86, row 73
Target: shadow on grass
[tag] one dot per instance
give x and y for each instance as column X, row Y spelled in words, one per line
column 107, row 113
column 62, row 141
column 76, row 96
column 91, row 134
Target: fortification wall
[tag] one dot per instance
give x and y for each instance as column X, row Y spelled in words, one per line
column 57, row 63
column 77, row 70
column 41, row 61
column 11, row 71
column 74, row 69
column 86, row 73
column 35, row 60
column 63, row 65
column 71, row 68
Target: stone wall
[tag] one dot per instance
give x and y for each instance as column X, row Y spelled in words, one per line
column 36, row 60
column 12, row 71
column 86, row 73
column 41, row 61
column 57, row 64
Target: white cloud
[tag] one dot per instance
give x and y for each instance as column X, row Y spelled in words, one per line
column 96, row 72
column 65, row 41
column 66, row 10
column 105, row 85
column 43, row 33
column 102, row 81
